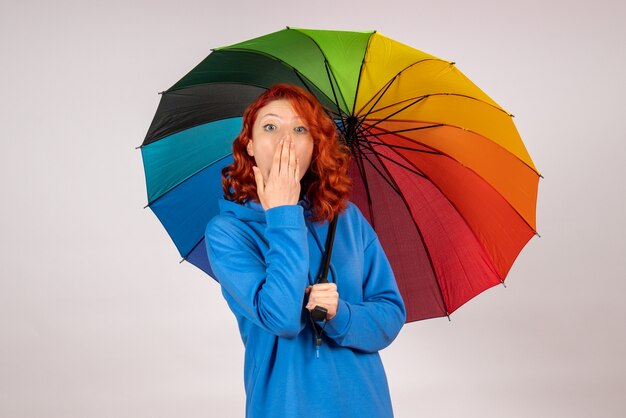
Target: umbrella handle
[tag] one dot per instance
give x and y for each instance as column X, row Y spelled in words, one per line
column 330, row 239
column 319, row 313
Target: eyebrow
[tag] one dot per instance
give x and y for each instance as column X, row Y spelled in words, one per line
column 270, row 114
column 274, row 114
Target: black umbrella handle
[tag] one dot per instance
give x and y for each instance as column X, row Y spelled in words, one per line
column 319, row 313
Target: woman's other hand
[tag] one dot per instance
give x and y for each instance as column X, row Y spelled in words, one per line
column 283, row 183
column 324, row 295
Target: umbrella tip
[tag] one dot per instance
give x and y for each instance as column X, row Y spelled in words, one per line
column 537, row 233
column 146, row 205
column 181, row 261
column 503, row 284
column 448, row 315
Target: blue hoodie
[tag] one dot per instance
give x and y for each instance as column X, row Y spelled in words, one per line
column 264, row 260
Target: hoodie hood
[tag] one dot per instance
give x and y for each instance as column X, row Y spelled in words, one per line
column 250, row 210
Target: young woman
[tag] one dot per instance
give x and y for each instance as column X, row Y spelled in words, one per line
column 287, row 181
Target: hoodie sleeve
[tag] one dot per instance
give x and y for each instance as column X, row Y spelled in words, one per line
column 374, row 323
column 267, row 290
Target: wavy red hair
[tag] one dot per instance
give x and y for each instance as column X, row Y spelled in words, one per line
column 326, row 185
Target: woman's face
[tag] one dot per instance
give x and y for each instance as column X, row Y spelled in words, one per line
column 274, row 121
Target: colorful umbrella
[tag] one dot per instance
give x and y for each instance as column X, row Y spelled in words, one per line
column 438, row 167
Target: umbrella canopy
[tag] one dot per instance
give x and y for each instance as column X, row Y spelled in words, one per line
column 438, row 167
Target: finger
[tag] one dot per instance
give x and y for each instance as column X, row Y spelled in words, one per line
column 276, row 160
column 328, row 300
column 325, row 286
column 317, row 295
column 292, row 158
column 284, row 157
column 312, row 303
column 258, row 177
column 297, row 170
column 324, row 302
column 328, row 304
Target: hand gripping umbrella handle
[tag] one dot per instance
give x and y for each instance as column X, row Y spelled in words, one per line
column 319, row 313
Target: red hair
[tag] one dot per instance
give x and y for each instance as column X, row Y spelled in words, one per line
column 326, row 185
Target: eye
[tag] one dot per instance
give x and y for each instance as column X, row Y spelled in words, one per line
column 301, row 130
column 269, row 127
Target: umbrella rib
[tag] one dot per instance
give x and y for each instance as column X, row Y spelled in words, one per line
column 398, row 74
column 325, row 63
column 363, row 134
column 192, row 248
column 331, row 78
column 328, row 73
column 381, row 143
column 437, row 152
column 434, row 150
column 358, row 81
column 386, row 87
column 417, row 228
column 453, row 127
column 384, row 177
column 419, row 99
column 359, row 162
column 463, row 217
column 400, row 130
column 492, row 262
column 309, row 90
column 442, row 94
column 411, row 169
column 336, row 103
column 409, row 148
